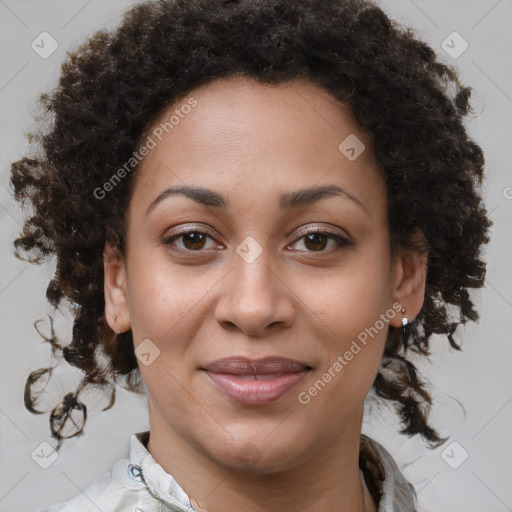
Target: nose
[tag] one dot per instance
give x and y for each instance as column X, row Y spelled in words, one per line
column 254, row 297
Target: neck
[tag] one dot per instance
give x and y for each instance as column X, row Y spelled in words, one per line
column 329, row 479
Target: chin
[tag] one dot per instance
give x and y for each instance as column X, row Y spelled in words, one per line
column 256, row 455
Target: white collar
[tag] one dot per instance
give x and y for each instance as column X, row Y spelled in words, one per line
column 159, row 483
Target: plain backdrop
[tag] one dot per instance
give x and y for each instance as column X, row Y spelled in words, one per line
column 472, row 388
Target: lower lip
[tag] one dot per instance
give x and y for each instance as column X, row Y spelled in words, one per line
column 255, row 392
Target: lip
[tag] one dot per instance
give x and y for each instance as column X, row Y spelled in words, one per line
column 245, row 366
column 250, row 381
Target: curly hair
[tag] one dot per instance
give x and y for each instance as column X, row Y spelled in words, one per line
column 116, row 84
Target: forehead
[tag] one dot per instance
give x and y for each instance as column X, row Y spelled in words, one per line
column 247, row 139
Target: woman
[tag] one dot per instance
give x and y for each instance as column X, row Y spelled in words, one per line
column 257, row 209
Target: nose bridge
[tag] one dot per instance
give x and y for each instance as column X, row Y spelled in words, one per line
column 253, row 281
column 254, row 298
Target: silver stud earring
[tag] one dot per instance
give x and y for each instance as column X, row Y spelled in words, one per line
column 406, row 326
column 405, row 321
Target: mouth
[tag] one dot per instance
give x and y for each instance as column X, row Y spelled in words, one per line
column 255, row 382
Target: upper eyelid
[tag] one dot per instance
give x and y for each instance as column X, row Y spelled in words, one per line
column 302, row 231
column 328, row 231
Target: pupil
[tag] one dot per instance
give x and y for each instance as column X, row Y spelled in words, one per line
column 315, row 236
column 194, row 238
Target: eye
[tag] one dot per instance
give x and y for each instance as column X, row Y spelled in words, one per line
column 192, row 240
column 195, row 239
column 316, row 240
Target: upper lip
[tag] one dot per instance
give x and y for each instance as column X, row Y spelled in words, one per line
column 246, row 366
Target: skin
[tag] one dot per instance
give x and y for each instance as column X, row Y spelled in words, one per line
column 305, row 299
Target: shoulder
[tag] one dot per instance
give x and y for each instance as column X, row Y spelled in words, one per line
column 112, row 490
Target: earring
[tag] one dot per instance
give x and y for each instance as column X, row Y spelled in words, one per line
column 405, row 321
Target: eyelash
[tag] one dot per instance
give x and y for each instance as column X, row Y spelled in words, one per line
column 340, row 241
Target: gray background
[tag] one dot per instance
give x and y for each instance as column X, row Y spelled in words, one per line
column 472, row 388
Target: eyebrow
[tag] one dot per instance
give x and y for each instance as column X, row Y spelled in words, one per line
column 294, row 199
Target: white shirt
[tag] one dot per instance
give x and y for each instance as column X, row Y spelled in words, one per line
column 140, row 484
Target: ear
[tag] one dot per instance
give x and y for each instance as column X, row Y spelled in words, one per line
column 409, row 278
column 116, row 296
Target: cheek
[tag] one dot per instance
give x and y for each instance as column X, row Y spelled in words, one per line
column 351, row 319
column 167, row 306
column 353, row 349
column 161, row 297
column 352, row 298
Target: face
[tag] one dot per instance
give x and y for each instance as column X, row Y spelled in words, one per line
column 254, row 269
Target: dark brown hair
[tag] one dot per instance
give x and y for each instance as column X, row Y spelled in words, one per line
column 117, row 83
